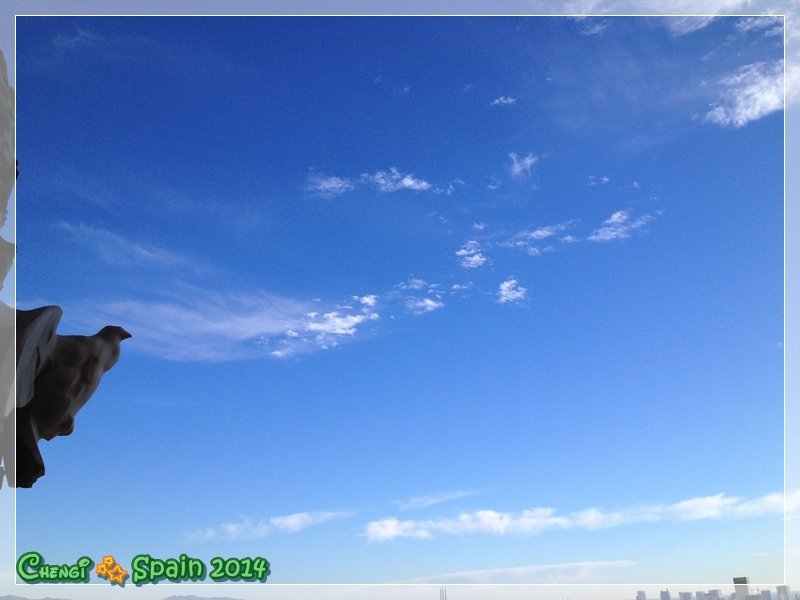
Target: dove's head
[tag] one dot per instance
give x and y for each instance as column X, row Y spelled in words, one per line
column 114, row 332
column 114, row 335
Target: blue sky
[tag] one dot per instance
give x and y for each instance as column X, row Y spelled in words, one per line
column 446, row 299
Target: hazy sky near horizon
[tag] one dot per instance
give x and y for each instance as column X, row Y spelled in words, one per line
column 445, row 299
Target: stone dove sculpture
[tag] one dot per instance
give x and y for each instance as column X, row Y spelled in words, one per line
column 57, row 375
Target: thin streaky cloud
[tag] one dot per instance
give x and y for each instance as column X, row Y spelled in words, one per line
column 196, row 325
column 768, row 25
column 250, row 529
column 117, row 250
column 329, row 186
column 679, row 26
column 545, row 231
column 393, row 180
column 503, row 101
column 576, row 572
column 302, row 520
column 592, row 26
column 754, row 91
column 535, row 521
column 619, row 226
column 422, row 502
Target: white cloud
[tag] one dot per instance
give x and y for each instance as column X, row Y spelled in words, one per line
column 473, row 261
column 685, row 25
column 511, row 291
column 393, row 181
column 299, row 521
column 521, row 167
column 249, row 529
column 471, row 256
column 592, row 26
column 119, row 251
column 421, row 306
column 391, row 528
column 193, row 324
column 772, row 24
column 544, row 232
column 494, row 183
column 329, row 186
column 370, row 300
column 413, row 283
column 618, row 226
column 470, row 247
column 503, row 101
column 479, row 226
column 422, row 502
column 334, row 323
column 537, row 520
column 594, row 180
column 754, row 91
column 554, row 573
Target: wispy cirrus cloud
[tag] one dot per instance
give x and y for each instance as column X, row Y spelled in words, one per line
column 329, row 186
column 587, row 26
column 574, row 572
column 503, row 101
column 249, row 529
column 117, row 250
column 754, row 91
column 766, row 25
column 679, row 26
column 619, row 226
column 521, row 167
column 546, row 231
column 393, row 181
column 538, row 520
column 423, row 502
column 194, row 324
column 385, row 181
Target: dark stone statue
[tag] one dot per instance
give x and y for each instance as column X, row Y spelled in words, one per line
column 56, row 374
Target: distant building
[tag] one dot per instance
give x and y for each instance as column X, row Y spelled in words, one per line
column 783, row 592
column 700, row 595
column 715, row 595
column 766, row 595
column 640, row 595
column 742, row 587
column 665, row 595
column 684, row 595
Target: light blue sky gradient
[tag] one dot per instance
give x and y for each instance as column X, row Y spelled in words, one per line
column 440, row 298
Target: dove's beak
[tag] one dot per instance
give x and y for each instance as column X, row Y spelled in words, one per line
column 124, row 335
